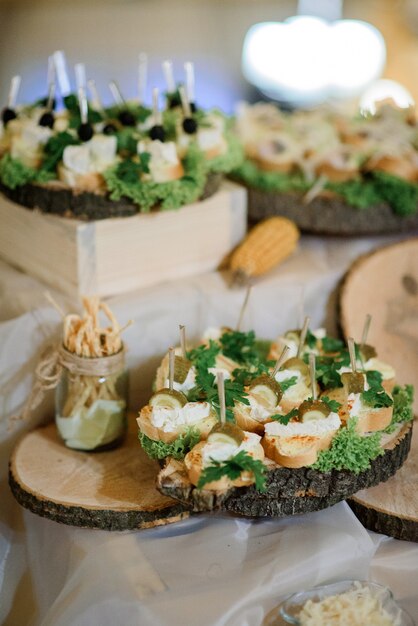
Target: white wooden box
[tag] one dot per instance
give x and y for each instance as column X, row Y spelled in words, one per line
column 115, row 255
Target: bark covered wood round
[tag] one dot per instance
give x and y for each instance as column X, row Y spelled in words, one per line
column 327, row 215
column 289, row 491
column 61, row 200
column 113, row 490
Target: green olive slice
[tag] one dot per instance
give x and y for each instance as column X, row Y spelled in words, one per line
column 168, row 398
column 226, row 433
column 181, row 369
column 267, row 388
column 353, row 382
column 311, row 410
column 293, row 335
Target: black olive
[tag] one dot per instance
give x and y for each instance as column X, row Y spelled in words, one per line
column 189, row 125
column 8, row 115
column 85, row 131
column 109, row 129
column 47, row 119
column 126, row 118
column 193, row 107
column 157, row 132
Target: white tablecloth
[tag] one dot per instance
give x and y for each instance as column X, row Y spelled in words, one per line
column 208, row 570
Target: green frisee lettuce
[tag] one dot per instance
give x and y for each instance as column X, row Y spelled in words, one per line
column 177, row 449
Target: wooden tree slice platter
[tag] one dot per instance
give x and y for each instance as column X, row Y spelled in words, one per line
column 113, row 490
column 327, row 214
column 60, row 199
column 384, row 283
column 392, row 507
column 289, row 491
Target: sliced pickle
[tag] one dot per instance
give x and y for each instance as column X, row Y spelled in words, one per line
column 226, row 433
column 353, row 382
column 311, row 410
column 267, row 388
column 168, row 398
column 367, row 352
column 181, row 369
column 298, row 365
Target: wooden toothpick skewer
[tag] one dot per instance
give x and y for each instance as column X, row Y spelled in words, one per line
column 221, row 394
column 13, row 91
column 171, row 356
column 185, row 102
column 312, row 370
column 189, row 70
column 169, row 76
column 142, row 76
column 116, row 93
column 183, row 340
column 243, row 308
column 366, row 328
column 155, row 107
column 80, row 75
column 303, row 334
column 280, row 361
column 352, row 351
column 61, row 72
column 95, row 98
column 54, row 303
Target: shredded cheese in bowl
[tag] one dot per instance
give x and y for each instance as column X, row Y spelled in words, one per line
column 349, row 603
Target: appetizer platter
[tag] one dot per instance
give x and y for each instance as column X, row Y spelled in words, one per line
column 274, row 428
column 89, row 191
column 391, row 508
column 89, row 161
column 331, row 173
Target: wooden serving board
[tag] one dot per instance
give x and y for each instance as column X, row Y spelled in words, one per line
column 328, row 214
column 113, row 490
column 384, row 283
column 391, row 508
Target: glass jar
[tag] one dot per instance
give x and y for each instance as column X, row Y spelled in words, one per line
column 91, row 410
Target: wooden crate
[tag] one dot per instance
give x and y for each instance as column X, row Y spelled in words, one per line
column 111, row 256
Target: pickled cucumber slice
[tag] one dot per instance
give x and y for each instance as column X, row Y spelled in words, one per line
column 168, row 398
column 181, row 369
column 226, row 433
column 367, row 352
column 311, row 410
column 267, row 388
column 297, row 365
column 353, row 382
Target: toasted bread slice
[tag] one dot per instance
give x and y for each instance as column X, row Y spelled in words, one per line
column 158, row 434
column 370, row 420
column 246, row 422
column 297, row 451
column 193, row 463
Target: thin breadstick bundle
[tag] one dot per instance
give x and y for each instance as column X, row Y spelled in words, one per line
column 91, row 399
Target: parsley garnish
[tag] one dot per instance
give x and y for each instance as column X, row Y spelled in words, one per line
column 374, row 378
column 329, row 344
column 333, row 405
column 204, row 356
column 239, row 347
column 376, row 398
column 285, row 419
column 232, row 468
column 130, row 171
column 310, row 339
column 54, row 150
column 289, row 382
column 327, row 372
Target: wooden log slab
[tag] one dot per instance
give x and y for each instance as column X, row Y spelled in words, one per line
column 113, row 490
column 59, row 199
column 392, row 271
column 392, row 508
column 289, row 491
column 328, row 214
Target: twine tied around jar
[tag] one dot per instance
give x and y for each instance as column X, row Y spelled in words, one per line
column 55, row 359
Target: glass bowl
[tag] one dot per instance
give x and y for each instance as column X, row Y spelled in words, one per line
column 291, row 608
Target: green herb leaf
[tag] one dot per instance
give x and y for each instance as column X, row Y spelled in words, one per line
column 329, row 344
column 310, row 339
column 144, row 159
column 176, row 449
column 376, row 398
column 232, row 469
column 327, row 372
column 333, row 405
column 374, row 378
column 403, row 398
column 239, row 347
column 285, row 419
column 204, row 356
column 289, row 382
column 54, row 149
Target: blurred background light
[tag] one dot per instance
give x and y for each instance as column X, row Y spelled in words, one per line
column 306, row 60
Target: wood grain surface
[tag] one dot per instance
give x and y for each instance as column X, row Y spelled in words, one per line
column 113, row 490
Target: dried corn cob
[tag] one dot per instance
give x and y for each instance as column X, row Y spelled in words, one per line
column 266, row 245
